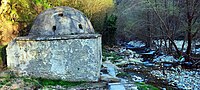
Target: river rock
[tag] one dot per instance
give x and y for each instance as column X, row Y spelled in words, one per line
column 109, row 78
column 116, row 86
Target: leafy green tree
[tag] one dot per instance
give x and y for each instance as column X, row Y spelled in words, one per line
column 109, row 30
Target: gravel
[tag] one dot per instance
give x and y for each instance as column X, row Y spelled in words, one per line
column 184, row 79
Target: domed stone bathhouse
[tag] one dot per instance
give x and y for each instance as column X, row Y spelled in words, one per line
column 61, row 44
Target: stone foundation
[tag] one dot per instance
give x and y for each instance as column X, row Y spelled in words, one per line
column 65, row 57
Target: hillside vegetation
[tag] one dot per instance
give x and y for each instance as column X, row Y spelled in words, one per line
column 16, row 16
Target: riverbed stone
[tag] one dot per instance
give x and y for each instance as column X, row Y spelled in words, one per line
column 56, row 48
column 109, row 78
column 116, row 86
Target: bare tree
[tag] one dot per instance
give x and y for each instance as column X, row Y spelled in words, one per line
column 188, row 16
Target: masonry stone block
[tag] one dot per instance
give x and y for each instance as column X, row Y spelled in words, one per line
column 63, row 47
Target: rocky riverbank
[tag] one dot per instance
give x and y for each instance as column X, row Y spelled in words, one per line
column 164, row 71
column 122, row 69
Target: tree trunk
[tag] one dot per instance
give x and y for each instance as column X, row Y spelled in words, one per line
column 189, row 47
column 149, row 30
column 189, row 32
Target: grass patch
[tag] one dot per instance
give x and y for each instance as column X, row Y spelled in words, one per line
column 123, row 74
column 48, row 82
column 143, row 86
column 38, row 82
column 4, row 82
column 112, row 54
column 31, row 81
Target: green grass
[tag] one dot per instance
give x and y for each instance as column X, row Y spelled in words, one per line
column 37, row 82
column 115, row 56
column 49, row 82
column 143, row 86
column 123, row 74
column 5, row 80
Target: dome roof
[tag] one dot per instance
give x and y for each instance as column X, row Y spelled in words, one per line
column 61, row 21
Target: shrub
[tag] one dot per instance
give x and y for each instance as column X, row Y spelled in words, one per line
column 109, row 30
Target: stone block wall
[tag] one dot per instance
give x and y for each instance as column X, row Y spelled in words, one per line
column 70, row 57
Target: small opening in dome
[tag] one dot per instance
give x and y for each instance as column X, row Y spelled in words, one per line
column 60, row 14
column 54, row 28
column 80, row 26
